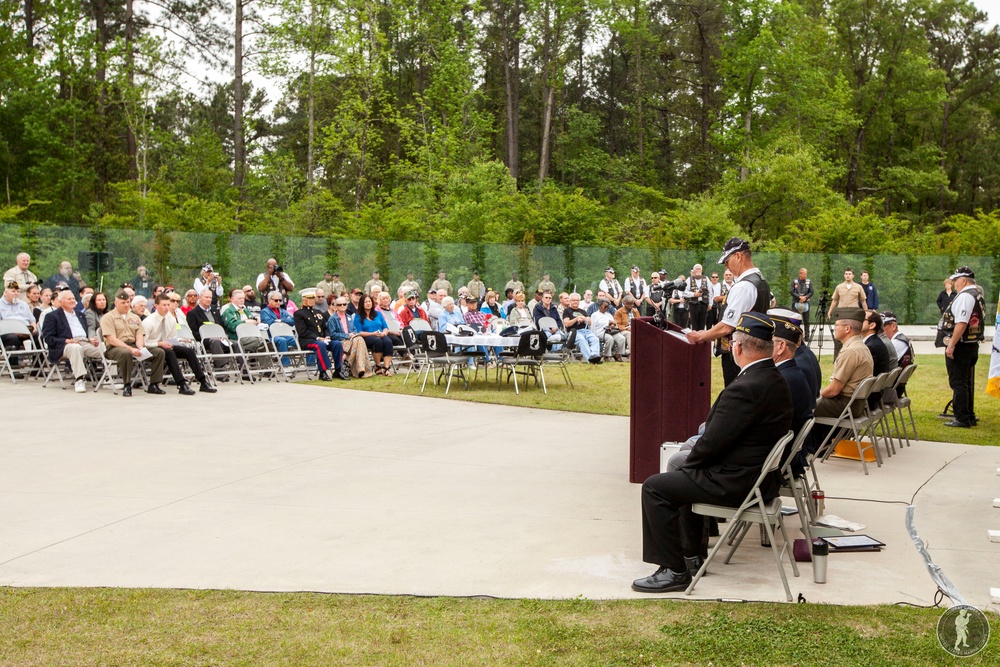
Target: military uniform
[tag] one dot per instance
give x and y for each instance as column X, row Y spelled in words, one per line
column 442, row 284
column 477, row 290
column 124, row 328
column 375, row 281
column 310, row 325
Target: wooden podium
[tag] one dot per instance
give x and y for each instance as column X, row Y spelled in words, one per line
column 671, row 393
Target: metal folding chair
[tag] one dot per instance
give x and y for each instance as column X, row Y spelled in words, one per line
column 232, row 363
column 10, row 361
column 754, row 509
column 846, row 423
column 438, row 355
column 528, row 358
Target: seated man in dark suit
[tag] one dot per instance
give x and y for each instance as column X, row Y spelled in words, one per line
column 65, row 332
column 805, row 359
column 748, row 418
column 207, row 310
column 787, row 338
column 870, row 330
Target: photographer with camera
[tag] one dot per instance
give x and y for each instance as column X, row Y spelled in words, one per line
column 274, row 279
column 209, row 280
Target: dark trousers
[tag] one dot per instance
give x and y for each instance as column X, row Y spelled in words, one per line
column 187, row 354
column 962, row 380
column 327, row 354
column 681, row 317
column 122, row 356
column 670, row 530
column 805, row 325
column 730, row 369
column 379, row 345
column 714, row 315
column 699, row 311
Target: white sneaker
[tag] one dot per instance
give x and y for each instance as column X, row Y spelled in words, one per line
column 81, row 386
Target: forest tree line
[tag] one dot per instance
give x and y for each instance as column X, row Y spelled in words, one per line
column 811, row 125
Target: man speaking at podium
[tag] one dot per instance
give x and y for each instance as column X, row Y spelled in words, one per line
column 749, row 293
column 748, row 418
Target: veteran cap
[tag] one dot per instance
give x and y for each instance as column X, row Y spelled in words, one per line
column 610, row 270
column 412, row 294
column 756, row 324
column 785, row 314
column 856, row 314
column 733, row 245
column 13, row 284
column 963, row 272
column 308, row 293
column 888, row 316
column 786, row 324
column 122, row 295
column 207, row 268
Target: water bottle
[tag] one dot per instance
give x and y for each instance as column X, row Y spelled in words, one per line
column 820, row 550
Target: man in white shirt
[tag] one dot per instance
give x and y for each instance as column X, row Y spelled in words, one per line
column 160, row 329
column 612, row 342
column 21, row 274
column 750, row 292
column 611, row 287
column 636, row 285
column 273, row 279
column 211, row 280
column 13, row 308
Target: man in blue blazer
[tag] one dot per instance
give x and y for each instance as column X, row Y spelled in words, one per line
column 65, row 333
column 750, row 415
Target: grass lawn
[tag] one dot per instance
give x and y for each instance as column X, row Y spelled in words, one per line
column 169, row 627
column 604, row 389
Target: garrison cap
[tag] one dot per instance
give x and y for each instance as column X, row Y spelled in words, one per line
column 756, row 324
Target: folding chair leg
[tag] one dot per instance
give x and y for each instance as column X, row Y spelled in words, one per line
column 711, row 555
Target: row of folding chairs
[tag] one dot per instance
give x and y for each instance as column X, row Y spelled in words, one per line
column 871, row 422
column 239, row 363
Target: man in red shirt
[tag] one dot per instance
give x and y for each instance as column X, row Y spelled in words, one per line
column 411, row 310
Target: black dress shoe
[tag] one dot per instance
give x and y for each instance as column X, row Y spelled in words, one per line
column 205, row 387
column 155, row 389
column 694, row 564
column 663, row 580
column 127, row 391
column 185, row 390
column 324, row 376
column 958, row 424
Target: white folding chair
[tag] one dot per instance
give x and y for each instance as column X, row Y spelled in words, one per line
column 262, row 362
column 226, row 364
column 297, row 357
column 754, row 509
column 11, row 359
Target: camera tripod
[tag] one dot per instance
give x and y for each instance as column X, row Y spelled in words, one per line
column 819, row 324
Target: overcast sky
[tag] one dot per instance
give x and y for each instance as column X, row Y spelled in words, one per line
column 991, row 7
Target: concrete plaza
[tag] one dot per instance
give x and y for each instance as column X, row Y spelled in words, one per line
column 285, row 487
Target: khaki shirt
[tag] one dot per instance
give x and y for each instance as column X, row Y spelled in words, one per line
column 122, row 327
column 477, row 290
column 849, row 296
column 442, row 283
column 854, row 364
